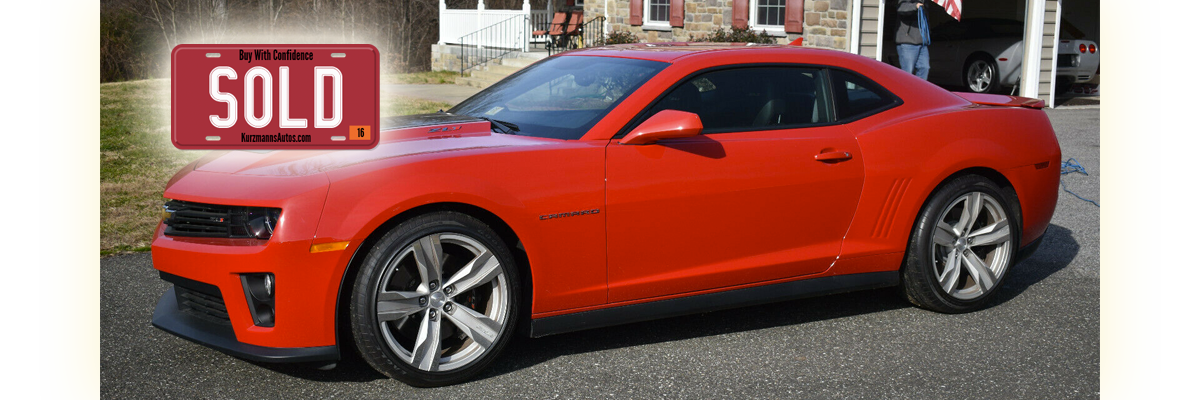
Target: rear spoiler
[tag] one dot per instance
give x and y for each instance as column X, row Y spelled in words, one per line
column 1002, row 100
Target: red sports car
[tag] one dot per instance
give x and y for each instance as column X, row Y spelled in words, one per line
column 605, row 186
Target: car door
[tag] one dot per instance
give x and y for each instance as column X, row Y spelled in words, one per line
column 765, row 192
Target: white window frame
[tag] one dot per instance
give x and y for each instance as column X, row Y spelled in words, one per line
column 773, row 30
column 651, row 25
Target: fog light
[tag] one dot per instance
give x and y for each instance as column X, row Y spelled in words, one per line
column 260, row 297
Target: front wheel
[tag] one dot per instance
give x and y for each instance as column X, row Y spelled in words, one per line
column 962, row 246
column 436, row 300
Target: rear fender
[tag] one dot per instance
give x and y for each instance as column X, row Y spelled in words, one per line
column 907, row 160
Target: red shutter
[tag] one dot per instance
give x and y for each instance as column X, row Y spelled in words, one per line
column 677, row 13
column 793, row 16
column 741, row 14
column 635, row 12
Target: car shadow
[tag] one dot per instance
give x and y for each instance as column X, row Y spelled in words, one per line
column 1057, row 251
column 701, row 145
column 526, row 352
column 523, row 352
column 351, row 368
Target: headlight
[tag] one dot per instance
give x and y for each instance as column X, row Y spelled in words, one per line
column 261, row 222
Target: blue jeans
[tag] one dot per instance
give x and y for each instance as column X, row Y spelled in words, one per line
column 914, row 59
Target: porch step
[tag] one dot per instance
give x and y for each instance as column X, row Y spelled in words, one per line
column 519, row 62
column 504, row 69
column 495, row 73
column 485, row 75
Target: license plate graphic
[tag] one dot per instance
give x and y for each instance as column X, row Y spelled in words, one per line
column 274, row 96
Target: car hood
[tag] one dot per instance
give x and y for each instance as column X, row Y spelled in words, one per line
column 400, row 136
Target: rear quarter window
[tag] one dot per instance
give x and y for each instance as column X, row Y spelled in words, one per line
column 857, row 96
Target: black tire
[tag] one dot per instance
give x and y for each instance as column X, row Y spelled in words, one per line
column 381, row 342
column 922, row 267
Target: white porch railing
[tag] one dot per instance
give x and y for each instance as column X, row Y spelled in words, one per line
column 455, row 24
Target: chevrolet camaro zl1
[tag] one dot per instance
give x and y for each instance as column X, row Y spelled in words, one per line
column 606, row 186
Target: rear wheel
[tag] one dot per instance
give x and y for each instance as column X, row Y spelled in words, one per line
column 436, row 300
column 981, row 75
column 962, row 246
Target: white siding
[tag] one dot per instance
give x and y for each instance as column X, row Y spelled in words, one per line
column 872, row 17
column 1049, row 52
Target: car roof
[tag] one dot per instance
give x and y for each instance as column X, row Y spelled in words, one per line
column 671, row 51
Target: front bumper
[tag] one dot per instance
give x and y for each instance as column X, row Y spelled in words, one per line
column 168, row 317
column 306, row 284
column 306, row 287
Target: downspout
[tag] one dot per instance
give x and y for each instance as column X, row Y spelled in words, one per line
column 1031, row 66
column 855, row 27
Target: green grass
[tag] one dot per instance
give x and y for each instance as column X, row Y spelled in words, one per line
column 428, row 77
column 136, row 160
column 137, row 157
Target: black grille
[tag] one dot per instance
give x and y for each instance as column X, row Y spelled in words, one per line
column 201, row 305
column 199, row 299
column 185, row 218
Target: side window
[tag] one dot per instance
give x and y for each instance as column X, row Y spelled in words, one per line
column 757, row 98
column 858, row 96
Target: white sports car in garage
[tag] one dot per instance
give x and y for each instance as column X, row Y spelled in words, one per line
column 1078, row 62
column 985, row 54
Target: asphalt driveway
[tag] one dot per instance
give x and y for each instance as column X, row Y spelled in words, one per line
column 1040, row 338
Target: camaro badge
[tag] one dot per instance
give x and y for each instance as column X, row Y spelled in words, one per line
column 569, row 214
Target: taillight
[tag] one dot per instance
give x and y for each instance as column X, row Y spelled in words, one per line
column 1082, row 48
column 1091, row 48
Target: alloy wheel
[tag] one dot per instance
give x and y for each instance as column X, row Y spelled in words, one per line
column 981, row 76
column 971, row 246
column 442, row 301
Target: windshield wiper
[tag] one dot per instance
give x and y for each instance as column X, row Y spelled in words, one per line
column 504, row 126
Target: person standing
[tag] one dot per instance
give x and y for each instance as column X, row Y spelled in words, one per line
column 912, row 38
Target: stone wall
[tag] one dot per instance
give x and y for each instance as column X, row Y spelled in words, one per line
column 826, row 22
column 699, row 18
column 445, row 58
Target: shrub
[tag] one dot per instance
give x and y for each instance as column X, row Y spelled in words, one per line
column 128, row 47
column 621, row 37
column 737, row 35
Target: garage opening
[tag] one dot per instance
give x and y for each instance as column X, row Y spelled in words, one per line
column 984, row 51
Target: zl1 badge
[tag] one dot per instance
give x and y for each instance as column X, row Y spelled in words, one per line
column 274, row 97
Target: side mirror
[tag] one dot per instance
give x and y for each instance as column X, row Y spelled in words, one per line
column 667, row 124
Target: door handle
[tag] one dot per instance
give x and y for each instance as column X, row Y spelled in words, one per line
column 833, row 156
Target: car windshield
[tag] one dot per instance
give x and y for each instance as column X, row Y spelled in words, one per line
column 560, row 97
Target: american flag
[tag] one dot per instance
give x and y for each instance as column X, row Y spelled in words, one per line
column 953, row 7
